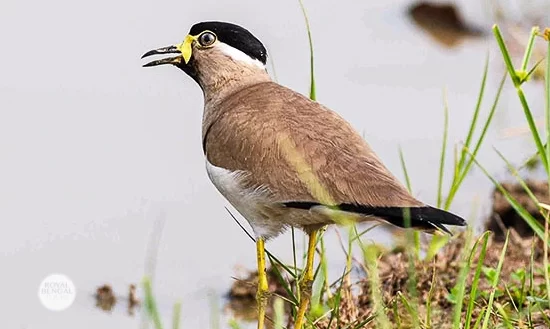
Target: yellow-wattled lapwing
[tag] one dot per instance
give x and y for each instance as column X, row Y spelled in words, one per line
column 281, row 159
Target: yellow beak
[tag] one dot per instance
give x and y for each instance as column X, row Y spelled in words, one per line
column 186, row 47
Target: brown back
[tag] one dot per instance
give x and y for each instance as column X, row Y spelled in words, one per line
column 297, row 148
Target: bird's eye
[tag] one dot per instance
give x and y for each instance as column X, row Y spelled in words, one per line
column 207, row 39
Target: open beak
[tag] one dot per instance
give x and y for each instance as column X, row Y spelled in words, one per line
column 184, row 51
column 161, row 51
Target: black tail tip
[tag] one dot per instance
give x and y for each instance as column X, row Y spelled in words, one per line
column 447, row 218
column 439, row 218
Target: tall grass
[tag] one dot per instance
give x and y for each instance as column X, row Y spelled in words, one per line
column 519, row 77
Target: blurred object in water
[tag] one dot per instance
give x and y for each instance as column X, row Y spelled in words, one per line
column 105, row 298
column 442, row 22
column 242, row 295
column 133, row 300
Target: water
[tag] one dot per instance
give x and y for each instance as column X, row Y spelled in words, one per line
column 95, row 149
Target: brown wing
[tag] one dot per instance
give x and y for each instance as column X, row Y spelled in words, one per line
column 300, row 150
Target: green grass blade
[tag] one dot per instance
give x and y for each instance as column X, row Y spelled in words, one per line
column 408, row 184
column 279, row 313
column 495, row 283
column 411, row 270
column 284, row 283
column 504, row 315
column 488, row 120
column 358, row 235
column 480, row 317
column 533, row 127
column 456, row 170
column 443, row 151
column 312, row 96
column 405, row 172
column 543, row 315
column 520, row 180
column 312, row 93
column 531, row 279
column 363, row 323
column 150, row 303
column 176, row 316
column 335, row 314
column 486, row 125
column 517, row 83
column 476, row 114
column 506, row 56
column 349, row 252
column 475, row 282
column 429, row 299
column 316, row 309
column 370, row 254
column 294, row 253
column 324, row 268
column 529, row 219
column 466, row 261
column 456, row 185
column 529, row 49
column 509, row 294
column 413, row 311
column 396, row 314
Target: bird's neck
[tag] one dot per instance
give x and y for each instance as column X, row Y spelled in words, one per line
column 218, row 83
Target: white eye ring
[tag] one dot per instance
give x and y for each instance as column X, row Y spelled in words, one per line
column 207, row 38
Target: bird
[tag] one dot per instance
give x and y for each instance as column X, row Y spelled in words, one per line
column 283, row 160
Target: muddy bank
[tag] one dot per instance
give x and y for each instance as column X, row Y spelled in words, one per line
column 435, row 280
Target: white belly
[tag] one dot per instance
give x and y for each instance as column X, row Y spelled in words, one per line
column 250, row 203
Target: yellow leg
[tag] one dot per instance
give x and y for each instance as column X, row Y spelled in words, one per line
column 307, row 280
column 263, row 289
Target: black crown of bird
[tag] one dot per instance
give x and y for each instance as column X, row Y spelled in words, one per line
column 282, row 160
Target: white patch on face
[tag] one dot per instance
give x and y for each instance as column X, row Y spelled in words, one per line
column 238, row 55
column 248, row 202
